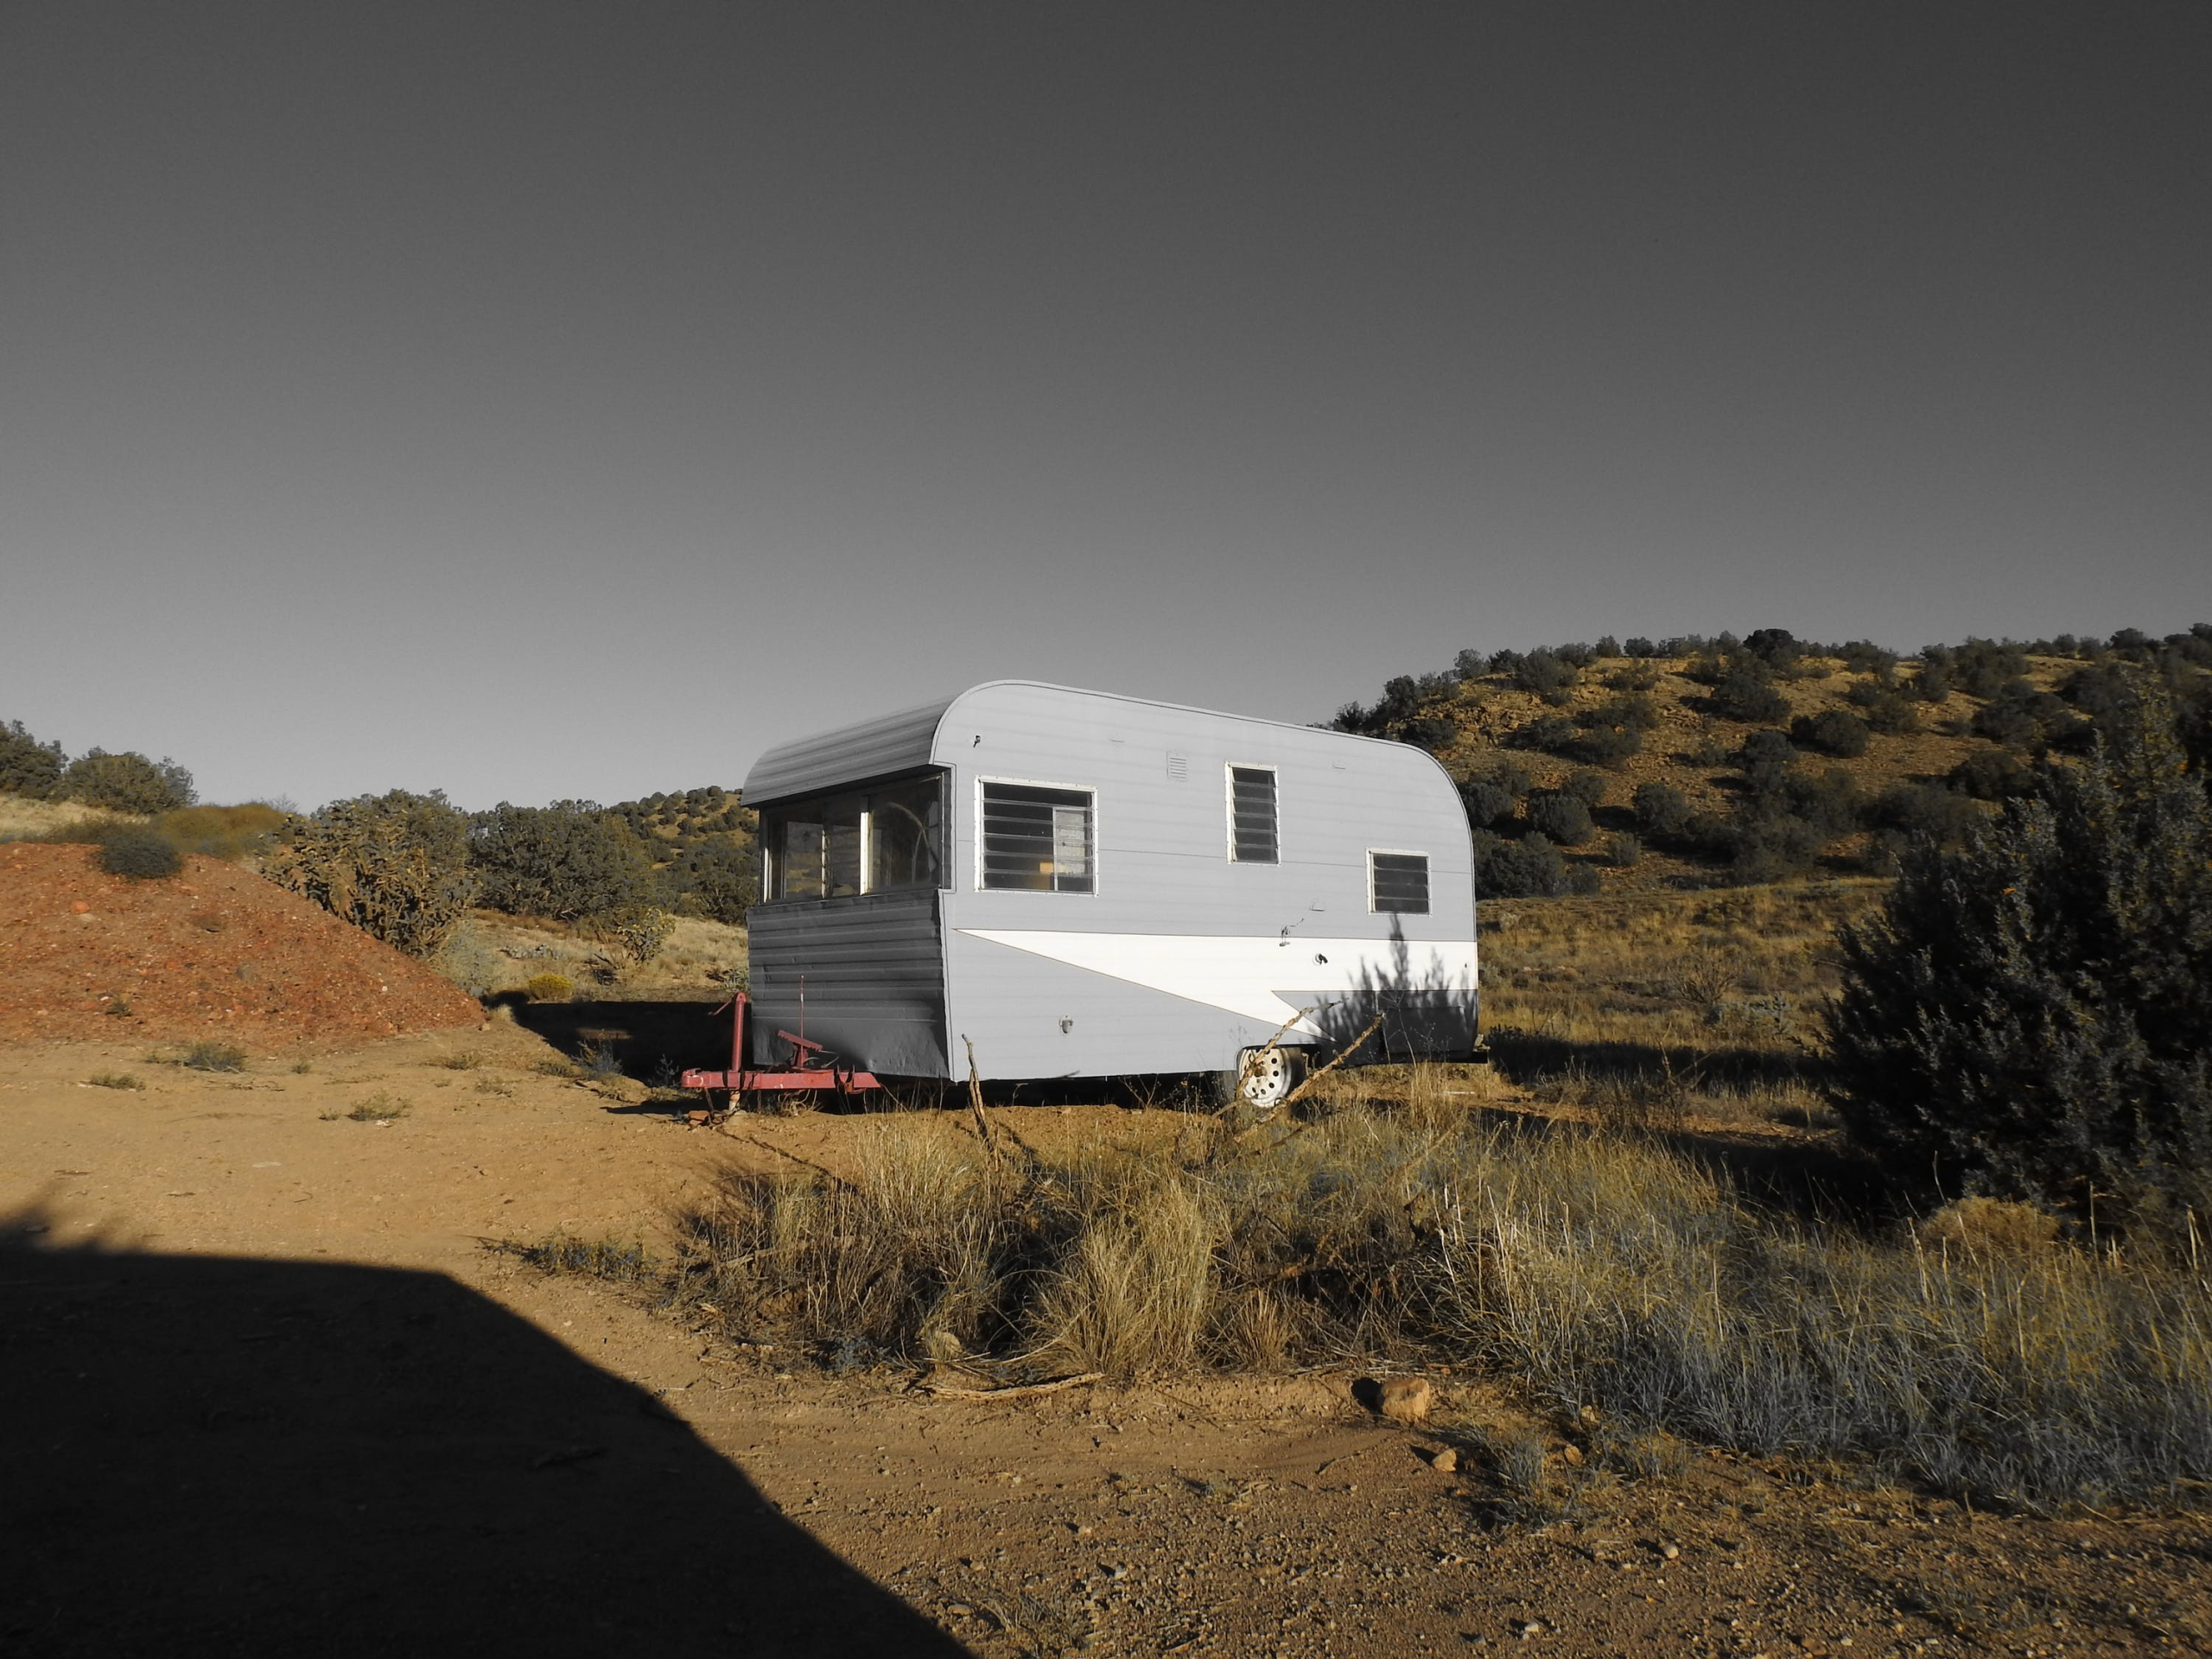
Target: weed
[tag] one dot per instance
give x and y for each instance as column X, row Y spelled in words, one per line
column 301, row 1068
column 599, row 1258
column 596, row 1061
column 115, row 1080
column 466, row 1060
column 212, row 1056
column 556, row 1066
column 118, row 1008
column 137, row 853
column 379, row 1108
column 548, row 988
column 493, row 1086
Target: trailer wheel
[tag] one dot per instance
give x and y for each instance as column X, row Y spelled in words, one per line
column 1261, row 1078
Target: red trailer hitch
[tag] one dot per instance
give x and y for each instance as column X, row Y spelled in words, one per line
column 810, row 1069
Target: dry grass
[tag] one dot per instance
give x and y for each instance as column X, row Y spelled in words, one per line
column 1598, row 1272
column 1562, row 1219
column 21, row 819
column 490, row 954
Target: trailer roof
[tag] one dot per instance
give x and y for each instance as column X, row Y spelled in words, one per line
column 907, row 741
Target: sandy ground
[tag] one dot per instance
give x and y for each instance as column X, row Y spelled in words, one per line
column 267, row 1389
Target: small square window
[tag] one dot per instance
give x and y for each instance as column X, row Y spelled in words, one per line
column 1037, row 839
column 1252, row 815
column 1398, row 883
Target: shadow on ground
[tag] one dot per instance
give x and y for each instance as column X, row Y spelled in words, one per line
column 213, row 1455
column 644, row 1037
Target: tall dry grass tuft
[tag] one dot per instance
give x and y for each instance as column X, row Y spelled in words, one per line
column 1597, row 1271
column 1136, row 1294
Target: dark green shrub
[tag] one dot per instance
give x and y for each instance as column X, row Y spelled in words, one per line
column 1623, row 851
column 1546, row 675
column 1606, row 746
column 1864, row 657
column 1766, row 759
column 1560, row 818
column 27, row 766
column 719, row 880
column 127, row 783
column 1546, row 735
column 1925, row 811
column 2019, row 716
column 1430, row 732
column 395, row 865
column 1746, row 694
column 137, row 852
column 1884, row 708
column 1933, row 683
column 1614, row 730
column 1776, row 647
column 1486, row 801
column 1772, row 846
column 565, row 860
column 637, row 930
column 1981, row 668
column 1991, row 775
column 1526, row 868
column 1828, row 800
column 1588, row 787
column 1640, row 647
column 1661, row 808
column 1637, row 676
column 2031, row 1016
column 1831, row 731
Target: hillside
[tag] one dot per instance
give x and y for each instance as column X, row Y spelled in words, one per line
column 1590, row 768
column 214, row 952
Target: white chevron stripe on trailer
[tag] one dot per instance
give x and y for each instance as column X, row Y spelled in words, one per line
column 1244, row 973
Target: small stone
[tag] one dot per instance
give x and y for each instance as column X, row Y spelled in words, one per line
column 1571, row 1453
column 1671, row 1551
column 1444, row 1462
column 1405, row 1399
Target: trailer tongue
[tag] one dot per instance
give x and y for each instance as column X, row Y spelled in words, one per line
column 809, row 1069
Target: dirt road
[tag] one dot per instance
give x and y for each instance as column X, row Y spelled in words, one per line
column 266, row 1389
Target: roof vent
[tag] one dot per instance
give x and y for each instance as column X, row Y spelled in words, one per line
column 1179, row 768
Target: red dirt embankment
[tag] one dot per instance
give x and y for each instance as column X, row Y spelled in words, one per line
column 214, row 951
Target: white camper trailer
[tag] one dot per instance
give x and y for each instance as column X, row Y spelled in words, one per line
column 1079, row 885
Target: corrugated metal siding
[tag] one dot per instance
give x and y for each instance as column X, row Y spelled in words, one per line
column 874, row 748
column 1163, row 861
column 1160, row 775
column 874, row 969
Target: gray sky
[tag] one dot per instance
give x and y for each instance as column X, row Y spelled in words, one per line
column 558, row 400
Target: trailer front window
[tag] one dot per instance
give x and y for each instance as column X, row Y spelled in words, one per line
column 863, row 841
column 1036, row 839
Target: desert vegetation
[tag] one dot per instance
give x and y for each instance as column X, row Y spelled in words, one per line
column 1760, row 759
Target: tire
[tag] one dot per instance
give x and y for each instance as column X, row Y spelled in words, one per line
column 1266, row 1076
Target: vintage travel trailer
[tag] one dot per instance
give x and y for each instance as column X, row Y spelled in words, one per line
column 1081, row 885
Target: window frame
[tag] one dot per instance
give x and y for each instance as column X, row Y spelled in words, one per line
column 1228, row 770
column 1088, row 791
column 1427, row 886
column 772, row 854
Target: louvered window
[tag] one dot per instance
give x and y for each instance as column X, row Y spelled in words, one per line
column 1252, row 815
column 1398, row 883
column 1037, row 839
